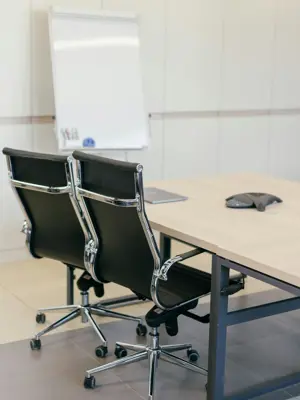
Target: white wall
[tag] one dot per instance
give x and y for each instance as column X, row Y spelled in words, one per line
column 197, row 55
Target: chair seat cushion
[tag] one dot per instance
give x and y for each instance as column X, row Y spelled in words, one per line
column 85, row 282
column 184, row 283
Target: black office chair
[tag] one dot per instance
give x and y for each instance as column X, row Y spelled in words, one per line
column 110, row 194
column 55, row 229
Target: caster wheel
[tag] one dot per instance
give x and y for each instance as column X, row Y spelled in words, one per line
column 120, row 352
column 101, row 351
column 141, row 330
column 89, row 383
column 193, row 355
column 35, row 344
column 40, row 318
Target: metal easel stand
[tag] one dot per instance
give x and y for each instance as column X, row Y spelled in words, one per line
column 220, row 319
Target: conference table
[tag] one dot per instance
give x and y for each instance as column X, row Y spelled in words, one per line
column 263, row 245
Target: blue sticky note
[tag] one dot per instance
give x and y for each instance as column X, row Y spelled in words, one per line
column 89, row 142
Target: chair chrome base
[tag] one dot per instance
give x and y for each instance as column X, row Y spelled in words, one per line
column 153, row 353
column 86, row 312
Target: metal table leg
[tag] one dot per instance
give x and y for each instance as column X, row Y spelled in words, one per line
column 220, row 319
column 165, row 247
column 70, row 285
column 217, row 331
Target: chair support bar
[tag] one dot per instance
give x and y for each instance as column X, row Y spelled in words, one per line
column 41, row 188
column 109, row 200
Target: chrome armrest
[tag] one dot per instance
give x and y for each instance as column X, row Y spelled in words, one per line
column 163, row 272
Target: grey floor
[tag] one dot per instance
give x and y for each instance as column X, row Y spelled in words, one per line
column 257, row 351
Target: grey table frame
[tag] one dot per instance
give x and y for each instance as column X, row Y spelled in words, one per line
column 220, row 319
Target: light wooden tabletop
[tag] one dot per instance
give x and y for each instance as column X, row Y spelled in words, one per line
column 265, row 241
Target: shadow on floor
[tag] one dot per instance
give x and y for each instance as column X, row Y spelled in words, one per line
column 257, row 351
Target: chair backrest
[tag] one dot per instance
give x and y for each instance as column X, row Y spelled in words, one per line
column 43, row 188
column 111, row 193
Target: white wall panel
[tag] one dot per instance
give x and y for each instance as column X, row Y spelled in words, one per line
column 244, row 145
column 190, row 148
column 152, row 30
column 15, row 58
column 286, row 89
column 44, row 140
column 193, row 54
column 11, row 217
column 248, row 52
column 42, row 86
column 152, row 157
column 116, row 155
column 284, row 147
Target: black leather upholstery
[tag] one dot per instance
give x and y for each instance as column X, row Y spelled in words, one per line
column 125, row 257
column 85, row 282
column 184, row 283
column 56, row 231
